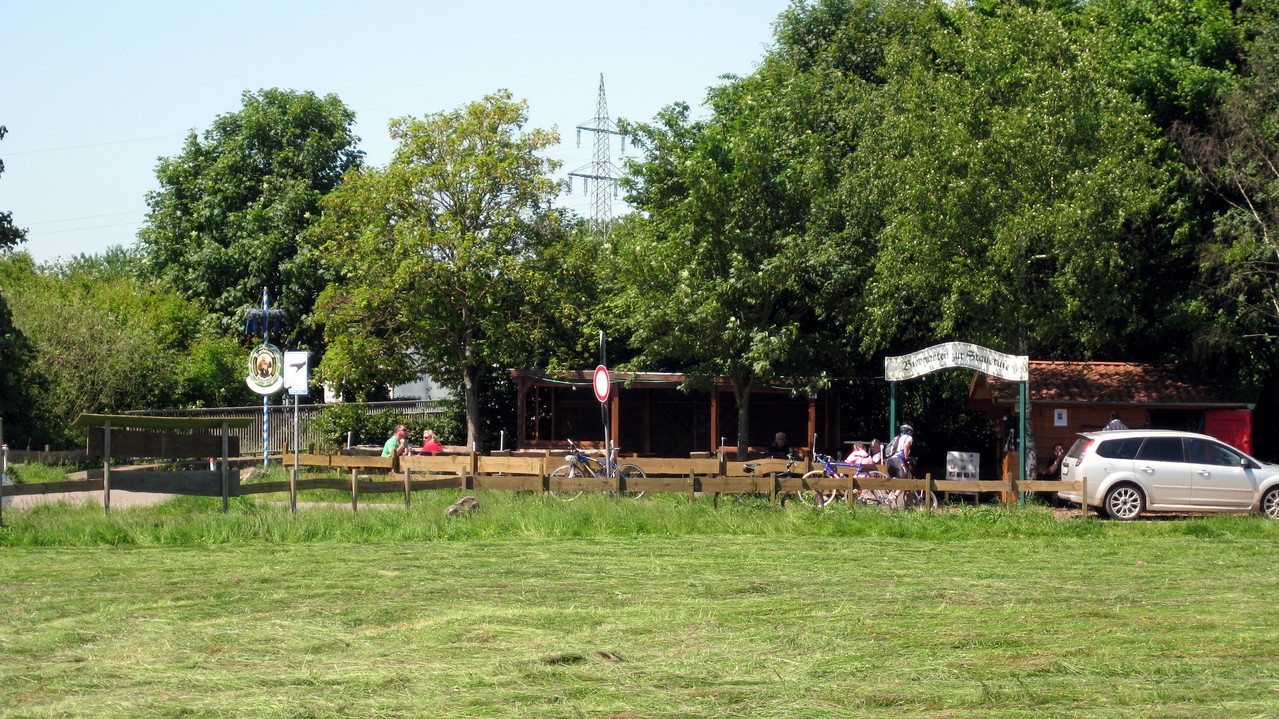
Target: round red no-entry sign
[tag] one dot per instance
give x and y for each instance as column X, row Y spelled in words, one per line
column 601, row 383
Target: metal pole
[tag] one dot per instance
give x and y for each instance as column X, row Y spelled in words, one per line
column 1021, row 445
column 226, row 470
column 293, row 480
column 4, row 472
column 266, row 418
column 892, row 410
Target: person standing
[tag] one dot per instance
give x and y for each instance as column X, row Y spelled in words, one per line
column 1115, row 422
column 899, row 452
column 397, row 445
column 1054, row 469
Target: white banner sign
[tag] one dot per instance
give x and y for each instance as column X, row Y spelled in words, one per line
column 1014, row 368
column 296, row 374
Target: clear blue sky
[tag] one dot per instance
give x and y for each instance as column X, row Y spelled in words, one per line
column 93, row 93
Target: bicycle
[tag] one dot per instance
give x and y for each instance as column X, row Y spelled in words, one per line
column 749, row 468
column 898, row 498
column 821, row 498
column 579, row 464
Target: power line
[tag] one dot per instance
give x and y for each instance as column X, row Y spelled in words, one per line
column 95, row 144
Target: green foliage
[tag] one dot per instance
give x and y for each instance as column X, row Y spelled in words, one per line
column 232, row 209
column 1237, row 157
column 1173, row 56
column 443, row 251
column 1009, row 183
column 19, row 383
column 723, row 280
column 112, row 343
column 338, row 419
column 10, row 235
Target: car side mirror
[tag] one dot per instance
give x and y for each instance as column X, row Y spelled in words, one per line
column 1243, row 462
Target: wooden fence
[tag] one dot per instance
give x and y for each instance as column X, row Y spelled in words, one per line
column 473, row 472
column 280, row 421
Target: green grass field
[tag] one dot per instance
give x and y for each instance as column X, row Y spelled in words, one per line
column 605, row 608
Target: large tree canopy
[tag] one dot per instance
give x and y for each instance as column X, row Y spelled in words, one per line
column 441, row 251
column 232, row 209
column 1009, row 184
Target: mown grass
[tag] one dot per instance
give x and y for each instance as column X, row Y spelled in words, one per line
column 609, row 608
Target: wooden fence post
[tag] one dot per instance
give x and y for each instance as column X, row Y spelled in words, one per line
column 407, row 471
column 226, row 470
column 106, row 467
column 355, row 489
column 928, row 491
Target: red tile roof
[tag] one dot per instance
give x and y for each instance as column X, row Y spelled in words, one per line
column 1112, row 383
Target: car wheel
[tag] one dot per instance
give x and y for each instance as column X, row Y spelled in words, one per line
column 1270, row 503
column 1124, row 502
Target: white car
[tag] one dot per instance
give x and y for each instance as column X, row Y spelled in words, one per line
column 1136, row 470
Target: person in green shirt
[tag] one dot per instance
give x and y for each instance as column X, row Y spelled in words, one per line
column 397, row 445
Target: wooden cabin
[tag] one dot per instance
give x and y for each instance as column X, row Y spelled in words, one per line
column 1065, row 398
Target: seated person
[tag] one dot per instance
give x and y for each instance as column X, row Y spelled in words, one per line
column 429, row 443
column 875, row 452
column 779, row 449
column 397, row 445
column 859, row 457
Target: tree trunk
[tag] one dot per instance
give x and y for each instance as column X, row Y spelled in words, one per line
column 742, row 393
column 471, row 394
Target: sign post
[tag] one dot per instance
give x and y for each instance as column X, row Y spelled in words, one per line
column 295, row 381
column 1014, row 368
column 602, row 384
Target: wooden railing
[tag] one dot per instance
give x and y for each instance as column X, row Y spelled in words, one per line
column 380, row 475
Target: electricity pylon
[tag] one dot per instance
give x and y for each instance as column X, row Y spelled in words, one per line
column 601, row 169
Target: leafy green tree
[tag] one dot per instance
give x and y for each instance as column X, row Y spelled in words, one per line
column 1237, row 158
column 1013, row 189
column 444, row 254
column 108, row 344
column 722, row 280
column 233, row 207
column 1174, row 56
column 9, row 234
column 19, row 385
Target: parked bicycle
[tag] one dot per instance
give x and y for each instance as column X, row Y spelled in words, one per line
column 749, row 470
column 830, row 469
column 580, row 464
column 896, row 498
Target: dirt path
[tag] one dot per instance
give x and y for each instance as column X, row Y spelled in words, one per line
column 119, row 499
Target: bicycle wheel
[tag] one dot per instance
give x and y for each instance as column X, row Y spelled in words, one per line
column 565, row 470
column 914, row 499
column 630, row 471
column 814, row 498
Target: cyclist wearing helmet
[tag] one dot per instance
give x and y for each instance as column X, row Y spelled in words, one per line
column 898, row 452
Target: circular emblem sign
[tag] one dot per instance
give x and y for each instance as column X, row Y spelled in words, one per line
column 266, row 371
column 601, row 383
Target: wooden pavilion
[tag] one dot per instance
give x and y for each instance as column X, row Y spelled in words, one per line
column 650, row 415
